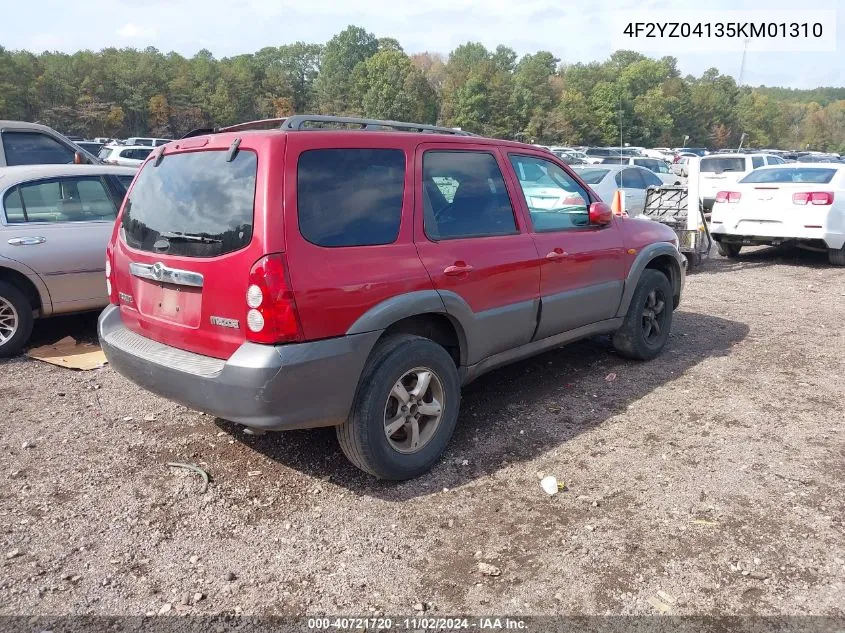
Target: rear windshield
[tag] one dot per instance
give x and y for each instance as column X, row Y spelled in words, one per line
column 813, row 175
column 718, row 164
column 592, row 176
column 193, row 204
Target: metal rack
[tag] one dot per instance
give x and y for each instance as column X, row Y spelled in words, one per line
column 309, row 122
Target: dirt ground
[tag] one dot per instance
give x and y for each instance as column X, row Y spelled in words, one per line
column 708, row 481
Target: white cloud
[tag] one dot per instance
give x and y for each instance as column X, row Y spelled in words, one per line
column 133, row 32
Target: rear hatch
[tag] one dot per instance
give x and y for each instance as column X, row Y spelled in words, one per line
column 190, row 229
column 718, row 173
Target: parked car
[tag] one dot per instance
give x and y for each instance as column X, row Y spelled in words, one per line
column 793, row 204
column 54, row 228
column 719, row 171
column 239, row 289
column 23, row 143
column 92, row 147
column 632, row 180
column 572, row 157
column 146, row 141
column 126, row 155
column 655, row 165
column 596, row 154
column 698, row 151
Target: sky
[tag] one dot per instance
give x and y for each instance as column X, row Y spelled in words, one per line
column 573, row 30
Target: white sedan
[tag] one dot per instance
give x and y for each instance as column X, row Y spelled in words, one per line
column 802, row 204
column 632, row 180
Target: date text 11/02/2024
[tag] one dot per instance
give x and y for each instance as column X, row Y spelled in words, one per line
column 723, row 29
column 418, row 623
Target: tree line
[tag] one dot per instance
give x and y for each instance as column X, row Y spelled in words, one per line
column 626, row 98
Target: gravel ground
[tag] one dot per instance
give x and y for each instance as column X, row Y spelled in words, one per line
column 708, row 481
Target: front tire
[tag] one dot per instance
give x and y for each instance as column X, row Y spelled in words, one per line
column 649, row 319
column 405, row 410
column 728, row 250
column 836, row 257
column 15, row 320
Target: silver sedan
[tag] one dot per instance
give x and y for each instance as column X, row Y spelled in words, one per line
column 632, row 180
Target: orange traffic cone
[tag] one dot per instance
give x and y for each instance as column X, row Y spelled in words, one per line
column 618, row 204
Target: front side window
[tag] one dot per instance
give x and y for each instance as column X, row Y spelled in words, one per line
column 480, row 205
column 350, row 197
column 757, row 161
column 649, row 178
column 59, row 200
column 35, row 148
column 556, row 202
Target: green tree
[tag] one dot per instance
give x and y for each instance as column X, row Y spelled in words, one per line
column 341, row 54
column 389, row 86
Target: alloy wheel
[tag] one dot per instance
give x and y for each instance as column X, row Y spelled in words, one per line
column 414, row 410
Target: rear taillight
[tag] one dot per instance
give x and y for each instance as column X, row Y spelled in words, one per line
column 271, row 315
column 814, row 197
column 111, row 290
column 728, row 196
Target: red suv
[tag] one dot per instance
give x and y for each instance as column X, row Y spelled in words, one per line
column 317, row 275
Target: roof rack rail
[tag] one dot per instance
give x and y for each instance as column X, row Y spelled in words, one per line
column 301, row 121
column 248, row 125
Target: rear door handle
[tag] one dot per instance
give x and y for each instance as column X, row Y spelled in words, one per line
column 27, row 241
column 459, row 268
column 557, row 253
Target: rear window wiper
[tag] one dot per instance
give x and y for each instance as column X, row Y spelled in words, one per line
column 187, row 237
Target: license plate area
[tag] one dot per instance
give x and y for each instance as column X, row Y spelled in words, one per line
column 181, row 305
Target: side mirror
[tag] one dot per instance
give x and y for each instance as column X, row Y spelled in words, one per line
column 79, row 159
column 600, row 213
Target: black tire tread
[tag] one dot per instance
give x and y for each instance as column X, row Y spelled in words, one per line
column 836, row 257
column 628, row 339
column 18, row 299
column 353, row 434
column 729, row 250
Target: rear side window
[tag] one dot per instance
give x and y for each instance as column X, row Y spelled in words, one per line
column 194, row 204
column 757, row 161
column 35, row 148
column 464, row 195
column 350, row 197
column 717, row 164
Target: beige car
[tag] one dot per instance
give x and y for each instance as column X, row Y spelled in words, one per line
column 55, row 223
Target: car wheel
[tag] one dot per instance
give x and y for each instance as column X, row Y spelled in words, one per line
column 15, row 320
column 728, row 250
column 405, row 410
column 836, row 257
column 646, row 327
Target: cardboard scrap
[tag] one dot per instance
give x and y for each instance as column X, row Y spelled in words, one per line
column 70, row 354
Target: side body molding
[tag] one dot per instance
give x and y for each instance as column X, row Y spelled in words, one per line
column 642, row 260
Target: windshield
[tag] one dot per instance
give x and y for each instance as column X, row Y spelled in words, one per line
column 194, row 204
column 813, row 175
column 592, row 176
column 718, row 164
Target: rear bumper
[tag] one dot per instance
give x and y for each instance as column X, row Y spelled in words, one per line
column 270, row 387
column 777, row 233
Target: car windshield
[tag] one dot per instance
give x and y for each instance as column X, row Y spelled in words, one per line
column 592, row 176
column 718, row 164
column 813, row 175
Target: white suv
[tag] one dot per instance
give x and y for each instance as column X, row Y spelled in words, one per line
column 719, row 171
column 797, row 203
column 126, row 155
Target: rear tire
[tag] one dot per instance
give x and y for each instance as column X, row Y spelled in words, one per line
column 649, row 320
column 387, row 399
column 15, row 320
column 728, row 250
column 836, row 257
